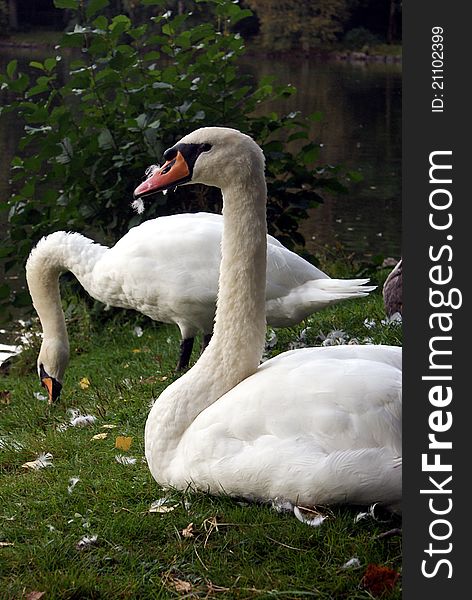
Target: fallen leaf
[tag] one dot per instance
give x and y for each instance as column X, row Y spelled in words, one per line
column 34, row 595
column 43, row 460
column 109, row 426
column 4, row 544
column 123, row 442
column 136, row 350
column 84, row 383
column 5, row 397
column 181, row 586
column 99, row 436
column 378, row 579
column 188, row 531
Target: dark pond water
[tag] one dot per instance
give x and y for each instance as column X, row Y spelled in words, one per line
column 361, row 129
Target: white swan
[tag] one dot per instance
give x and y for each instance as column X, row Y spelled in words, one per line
column 312, row 426
column 167, row 269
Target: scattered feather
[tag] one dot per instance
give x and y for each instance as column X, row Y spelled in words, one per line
column 44, row 460
column 125, row 460
column 79, row 420
column 280, row 505
column 352, row 563
column 138, row 331
column 86, row 542
column 159, row 506
column 40, row 396
column 369, row 323
column 5, row 544
column 395, row 319
column 73, row 481
column 9, row 444
column 138, row 205
column 365, row 515
column 336, row 337
column 312, row 522
column 123, row 442
column 99, row 436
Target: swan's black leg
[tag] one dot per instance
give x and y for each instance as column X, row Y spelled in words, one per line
column 205, row 341
column 186, row 346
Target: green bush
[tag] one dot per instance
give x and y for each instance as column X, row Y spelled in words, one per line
column 114, row 96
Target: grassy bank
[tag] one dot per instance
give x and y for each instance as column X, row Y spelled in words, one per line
column 195, row 546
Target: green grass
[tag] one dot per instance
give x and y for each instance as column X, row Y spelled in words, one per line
column 237, row 550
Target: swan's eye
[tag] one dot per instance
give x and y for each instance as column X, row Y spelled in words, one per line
column 205, row 147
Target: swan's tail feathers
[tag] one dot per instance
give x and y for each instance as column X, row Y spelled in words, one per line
column 312, row 296
column 342, row 289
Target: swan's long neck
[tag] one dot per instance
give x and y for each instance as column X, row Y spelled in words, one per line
column 236, row 347
column 52, row 256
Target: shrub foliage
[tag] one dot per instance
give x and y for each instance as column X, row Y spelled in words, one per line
column 115, row 95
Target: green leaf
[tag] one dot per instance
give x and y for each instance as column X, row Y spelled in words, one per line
column 94, row 6
column 66, row 4
column 49, row 64
column 11, row 68
column 36, row 65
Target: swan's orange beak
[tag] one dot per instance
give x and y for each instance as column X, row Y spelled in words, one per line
column 172, row 173
column 51, row 384
column 47, row 383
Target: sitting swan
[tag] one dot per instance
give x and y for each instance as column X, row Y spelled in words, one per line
column 167, row 269
column 311, row 426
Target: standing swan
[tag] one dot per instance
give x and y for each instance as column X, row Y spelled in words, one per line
column 312, row 426
column 167, row 269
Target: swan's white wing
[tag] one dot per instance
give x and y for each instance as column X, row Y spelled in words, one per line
column 167, row 268
column 312, row 425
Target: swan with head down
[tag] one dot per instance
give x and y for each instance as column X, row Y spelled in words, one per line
column 167, row 269
column 311, row 426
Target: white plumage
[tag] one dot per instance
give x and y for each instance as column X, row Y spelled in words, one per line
column 312, row 426
column 167, row 269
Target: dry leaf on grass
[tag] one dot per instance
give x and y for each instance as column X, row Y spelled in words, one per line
column 109, row 426
column 123, row 442
column 34, row 595
column 181, row 586
column 378, row 579
column 5, row 397
column 99, row 436
column 43, row 460
column 188, row 531
column 84, row 383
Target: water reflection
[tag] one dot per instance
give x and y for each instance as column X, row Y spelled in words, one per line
column 361, row 128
